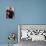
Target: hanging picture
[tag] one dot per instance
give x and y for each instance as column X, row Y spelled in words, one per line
column 10, row 13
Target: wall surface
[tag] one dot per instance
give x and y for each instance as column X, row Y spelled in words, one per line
column 27, row 12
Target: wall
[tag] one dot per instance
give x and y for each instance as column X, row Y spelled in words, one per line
column 27, row 12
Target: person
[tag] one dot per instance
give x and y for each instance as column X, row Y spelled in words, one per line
column 9, row 12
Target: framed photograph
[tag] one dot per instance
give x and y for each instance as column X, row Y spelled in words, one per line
column 32, row 32
column 10, row 13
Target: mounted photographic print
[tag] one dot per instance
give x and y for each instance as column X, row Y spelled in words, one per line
column 32, row 32
column 10, row 13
